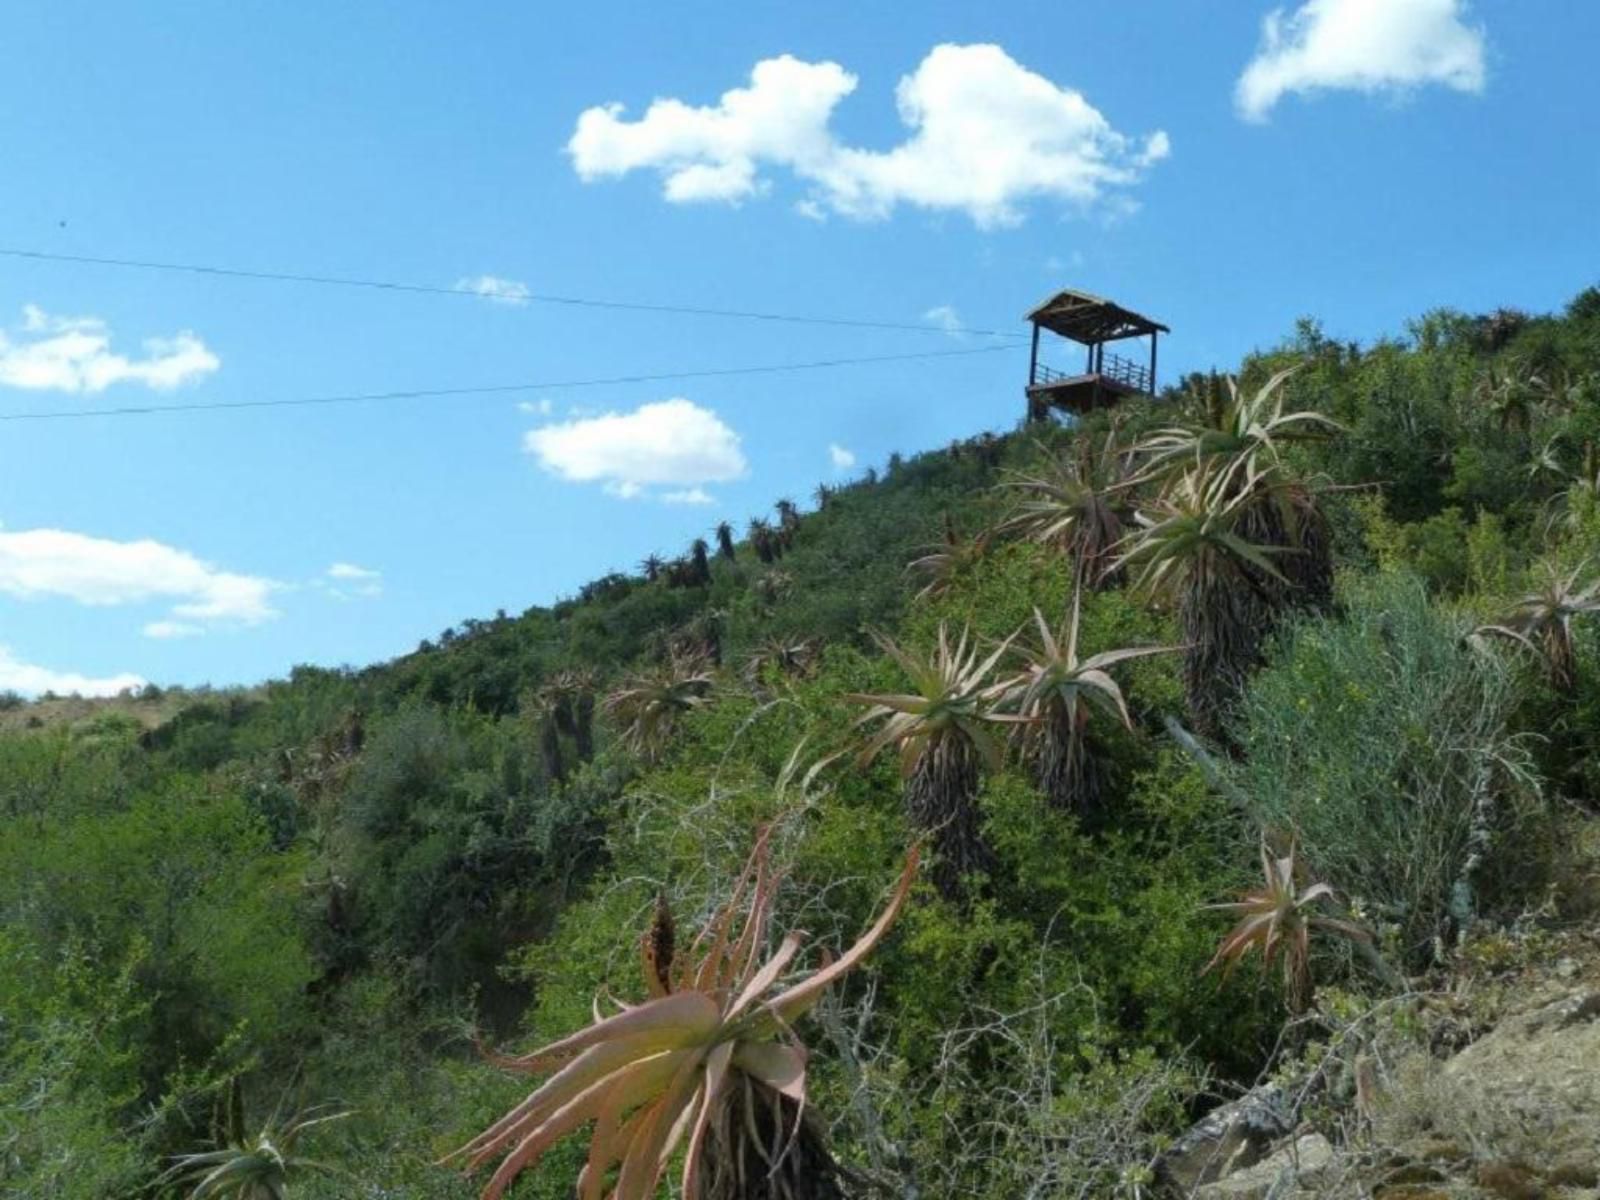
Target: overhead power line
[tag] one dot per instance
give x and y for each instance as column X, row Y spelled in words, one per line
column 385, row 285
column 487, row 390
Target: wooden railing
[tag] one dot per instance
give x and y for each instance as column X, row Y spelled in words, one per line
column 1112, row 366
column 1126, row 371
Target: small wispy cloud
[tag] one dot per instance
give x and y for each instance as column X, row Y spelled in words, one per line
column 171, row 630
column 694, row 495
column 492, row 287
column 542, row 407
column 347, row 579
column 945, row 317
column 1057, row 263
column 840, row 458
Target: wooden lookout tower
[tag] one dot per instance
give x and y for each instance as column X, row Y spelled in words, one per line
column 1106, row 378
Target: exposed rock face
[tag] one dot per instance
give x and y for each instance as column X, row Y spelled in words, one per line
column 1228, row 1139
column 1514, row 1114
column 1301, row 1164
column 1535, row 1080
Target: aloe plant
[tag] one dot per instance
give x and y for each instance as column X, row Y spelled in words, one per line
column 941, row 731
column 1233, row 441
column 1231, row 434
column 708, row 1063
column 648, row 706
column 1076, row 505
column 1277, row 920
column 1545, row 615
column 1055, row 693
column 255, row 1168
column 942, row 564
column 1228, row 588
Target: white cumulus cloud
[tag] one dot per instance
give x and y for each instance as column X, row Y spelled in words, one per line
column 74, row 354
column 841, row 458
column 1361, row 45
column 40, row 563
column 31, row 680
column 491, row 287
column 673, row 443
column 985, row 134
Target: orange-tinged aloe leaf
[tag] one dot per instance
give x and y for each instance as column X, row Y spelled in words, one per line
column 768, row 975
column 644, row 1076
column 791, row 1004
column 780, row 1067
column 722, row 923
column 716, row 1075
column 610, row 1141
column 645, row 1159
column 592, row 1065
column 738, row 963
column 689, row 1013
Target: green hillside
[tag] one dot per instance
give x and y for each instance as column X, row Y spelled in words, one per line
column 1373, row 589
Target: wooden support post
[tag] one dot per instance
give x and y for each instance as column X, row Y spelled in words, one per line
column 1033, row 358
column 1153, row 336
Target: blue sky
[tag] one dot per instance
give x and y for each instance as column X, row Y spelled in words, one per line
column 1225, row 167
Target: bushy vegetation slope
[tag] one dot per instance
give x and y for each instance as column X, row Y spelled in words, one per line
column 1368, row 604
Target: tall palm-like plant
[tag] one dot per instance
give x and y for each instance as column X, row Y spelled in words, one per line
column 708, row 1062
column 652, row 566
column 1511, row 394
column 1544, row 618
column 1572, row 504
column 259, row 1167
column 1233, row 440
column 788, row 521
column 566, row 702
column 539, row 710
column 648, row 707
column 941, row 731
column 772, row 586
column 764, row 541
column 942, row 564
column 783, row 655
column 1076, row 504
column 1232, row 435
column 724, row 535
column 1056, row 692
column 700, row 561
column 1189, row 545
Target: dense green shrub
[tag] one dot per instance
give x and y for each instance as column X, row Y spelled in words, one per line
column 1382, row 741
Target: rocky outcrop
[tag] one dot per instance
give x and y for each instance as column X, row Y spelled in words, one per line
column 1229, row 1139
column 1306, row 1162
column 1533, row 1083
column 1514, row 1114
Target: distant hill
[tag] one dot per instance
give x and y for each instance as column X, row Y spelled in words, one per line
column 1346, row 617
